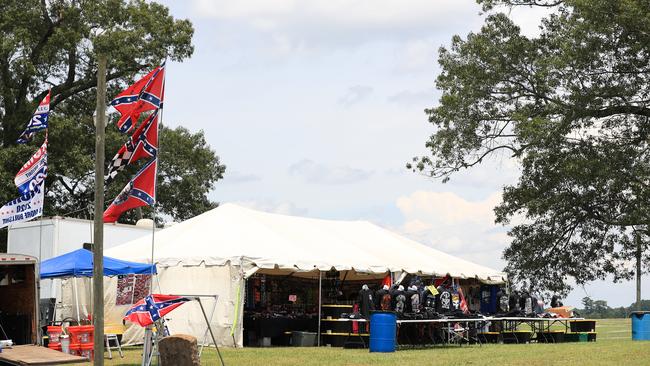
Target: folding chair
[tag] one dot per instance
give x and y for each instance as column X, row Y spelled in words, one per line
column 110, row 334
column 456, row 334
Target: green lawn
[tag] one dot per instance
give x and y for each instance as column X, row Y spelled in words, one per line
column 614, row 347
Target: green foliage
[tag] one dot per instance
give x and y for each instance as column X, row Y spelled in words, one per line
column 571, row 106
column 598, row 309
column 54, row 44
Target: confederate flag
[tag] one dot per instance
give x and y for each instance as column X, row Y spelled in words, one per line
column 145, row 94
column 153, row 307
column 143, row 144
column 140, row 191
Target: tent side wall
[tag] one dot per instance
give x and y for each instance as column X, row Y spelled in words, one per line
column 223, row 281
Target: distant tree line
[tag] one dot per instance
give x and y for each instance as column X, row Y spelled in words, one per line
column 598, row 309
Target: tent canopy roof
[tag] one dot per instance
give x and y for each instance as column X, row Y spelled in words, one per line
column 231, row 233
column 79, row 263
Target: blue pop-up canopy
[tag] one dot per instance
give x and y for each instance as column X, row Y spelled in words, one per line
column 79, row 263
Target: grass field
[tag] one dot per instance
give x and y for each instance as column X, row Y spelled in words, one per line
column 614, row 347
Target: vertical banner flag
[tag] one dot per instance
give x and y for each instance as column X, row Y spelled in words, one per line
column 140, row 191
column 23, row 208
column 30, row 181
column 33, row 172
column 144, row 95
column 143, row 144
column 38, row 121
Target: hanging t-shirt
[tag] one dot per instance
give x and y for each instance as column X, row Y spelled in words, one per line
column 444, row 301
column 503, row 303
column 400, row 303
column 455, row 300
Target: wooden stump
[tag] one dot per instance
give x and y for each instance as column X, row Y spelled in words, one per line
column 179, row 350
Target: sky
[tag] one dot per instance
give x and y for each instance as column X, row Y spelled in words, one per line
column 315, row 107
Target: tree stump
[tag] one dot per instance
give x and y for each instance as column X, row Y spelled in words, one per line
column 179, row 350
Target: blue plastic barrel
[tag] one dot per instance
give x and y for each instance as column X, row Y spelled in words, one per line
column 383, row 330
column 640, row 325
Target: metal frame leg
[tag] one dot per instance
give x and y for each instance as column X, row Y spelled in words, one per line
column 108, row 347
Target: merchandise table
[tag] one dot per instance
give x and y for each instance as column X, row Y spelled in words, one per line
column 419, row 332
column 535, row 324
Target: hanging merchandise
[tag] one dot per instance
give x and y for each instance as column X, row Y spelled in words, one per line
column 365, row 301
column 489, row 299
column 379, row 297
column 444, row 301
column 503, row 305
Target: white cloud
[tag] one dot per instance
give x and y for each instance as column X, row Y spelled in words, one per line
column 449, row 222
column 284, row 208
column 238, row 177
column 423, row 97
column 313, row 172
column 342, row 21
column 355, row 94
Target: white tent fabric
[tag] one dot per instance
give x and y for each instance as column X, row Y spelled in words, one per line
column 230, row 233
column 212, row 253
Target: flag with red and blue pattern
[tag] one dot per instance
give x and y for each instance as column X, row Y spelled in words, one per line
column 153, row 307
column 144, row 95
column 143, row 144
column 34, row 171
column 140, row 191
column 38, row 121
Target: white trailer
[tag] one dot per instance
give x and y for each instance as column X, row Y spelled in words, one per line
column 51, row 237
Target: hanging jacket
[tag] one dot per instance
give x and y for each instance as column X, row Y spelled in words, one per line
column 379, row 295
column 365, row 302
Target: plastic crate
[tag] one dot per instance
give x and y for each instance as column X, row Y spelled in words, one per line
column 576, row 337
column 550, row 337
column 303, row 339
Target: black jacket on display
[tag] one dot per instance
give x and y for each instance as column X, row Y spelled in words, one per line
column 378, row 296
column 365, row 302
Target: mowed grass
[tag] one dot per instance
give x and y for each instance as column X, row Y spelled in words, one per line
column 613, row 347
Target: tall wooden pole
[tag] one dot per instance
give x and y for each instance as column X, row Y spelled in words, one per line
column 98, row 245
column 638, row 272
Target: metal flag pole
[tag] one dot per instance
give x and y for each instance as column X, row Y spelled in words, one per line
column 157, row 157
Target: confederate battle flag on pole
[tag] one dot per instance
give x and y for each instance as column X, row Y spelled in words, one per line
column 145, row 94
column 143, row 144
column 140, row 191
column 38, row 121
column 153, row 307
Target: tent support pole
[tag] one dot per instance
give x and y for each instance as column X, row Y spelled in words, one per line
column 76, row 296
column 210, row 329
column 205, row 334
column 320, row 303
column 133, row 288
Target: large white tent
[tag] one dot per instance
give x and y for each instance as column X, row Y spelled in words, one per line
column 214, row 252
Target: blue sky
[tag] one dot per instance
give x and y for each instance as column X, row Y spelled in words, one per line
column 316, row 106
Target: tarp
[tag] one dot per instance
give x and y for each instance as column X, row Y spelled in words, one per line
column 79, row 263
column 234, row 234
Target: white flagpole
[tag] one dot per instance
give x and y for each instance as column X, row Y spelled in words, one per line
column 153, row 227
